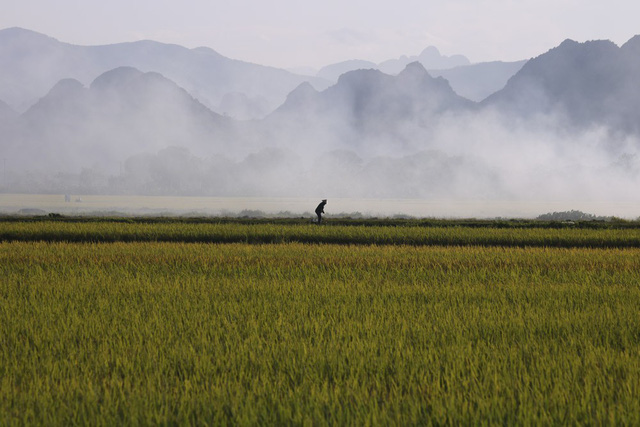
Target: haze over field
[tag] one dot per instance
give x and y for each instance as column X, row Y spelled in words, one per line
column 559, row 122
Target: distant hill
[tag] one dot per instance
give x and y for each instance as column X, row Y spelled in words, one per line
column 472, row 81
column 241, row 107
column 124, row 111
column 33, row 63
column 334, row 71
column 371, row 134
column 367, row 105
column 589, row 83
column 430, row 58
column 572, row 215
column 478, row 81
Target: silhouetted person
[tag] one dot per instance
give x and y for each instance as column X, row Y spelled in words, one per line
column 320, row 210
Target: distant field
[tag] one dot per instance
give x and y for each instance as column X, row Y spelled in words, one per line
column 264, row 322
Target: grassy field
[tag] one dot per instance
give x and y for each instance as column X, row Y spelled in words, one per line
column 367, row 232
column 195, row 322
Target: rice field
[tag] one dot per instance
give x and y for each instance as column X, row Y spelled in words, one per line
column 120, row 323
column 362, row 232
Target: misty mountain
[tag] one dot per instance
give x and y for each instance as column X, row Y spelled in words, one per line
column 371, row 134
column 366, row 107
column 7, row 114
column 122, row 112
column 241, row 107
column 33, row 63
column 430, row 58
column 333, row 71
column 583, row 84
column 472, row 81
column 8, row 119
column 478, row 81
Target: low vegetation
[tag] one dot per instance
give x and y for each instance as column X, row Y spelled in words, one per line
column 378, row 232
column 572, row 215
column 176, row 322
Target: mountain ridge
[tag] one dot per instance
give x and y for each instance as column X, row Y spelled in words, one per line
column 472, row 81
column 565, row 124
column 203, row 72
column 123, row 111
column 366, row 107
column 594, row 82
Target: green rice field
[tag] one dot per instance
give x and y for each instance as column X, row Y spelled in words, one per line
column 199, row 322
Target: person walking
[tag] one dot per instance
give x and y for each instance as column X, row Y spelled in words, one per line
column 320, row 210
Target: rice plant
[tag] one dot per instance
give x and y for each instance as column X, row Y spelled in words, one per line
column 172, row 332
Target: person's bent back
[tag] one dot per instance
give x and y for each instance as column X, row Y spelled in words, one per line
column 320, row 210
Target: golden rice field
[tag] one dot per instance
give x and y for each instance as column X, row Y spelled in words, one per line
column 134, row 323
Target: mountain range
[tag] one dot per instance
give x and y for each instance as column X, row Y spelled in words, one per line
column 366, row 108
column 477, row 81
column 353, row 127
column 472, row 81
column 586, row 84
column 430, row 58
column 33, row 63
column 124, row 111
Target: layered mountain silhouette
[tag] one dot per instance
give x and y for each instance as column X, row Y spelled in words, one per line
column 33, row 63
column 122, row 112
column 368, row 104
column 472, row 81
column 126, row 113
column 430, row 58
column 584, row 84
column 477, row 81
column 333, row 72
column 368, row 94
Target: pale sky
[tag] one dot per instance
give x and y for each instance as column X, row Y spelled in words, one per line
column 295, row 33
